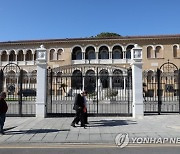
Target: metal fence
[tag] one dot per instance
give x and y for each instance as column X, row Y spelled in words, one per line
column 108, row 94
column 161, row 90
column 20, row 88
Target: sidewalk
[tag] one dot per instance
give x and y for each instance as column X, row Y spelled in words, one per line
column 99, row 130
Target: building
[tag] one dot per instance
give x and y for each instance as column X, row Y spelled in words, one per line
column 114, row 51
column 81, row 60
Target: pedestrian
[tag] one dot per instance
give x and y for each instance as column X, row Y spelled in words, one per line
column 85, row 110
column 79, row 107
column 85, row 115
column 3, row 110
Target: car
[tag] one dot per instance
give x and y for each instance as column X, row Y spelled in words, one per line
column 28, row 92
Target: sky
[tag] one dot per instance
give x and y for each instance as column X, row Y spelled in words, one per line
column 59, row 19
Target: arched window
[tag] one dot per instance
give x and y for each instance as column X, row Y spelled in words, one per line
column 175, row 51
column 104, row 78
column 33, row 77
column 25, row 77
column 76, row 79
column 103, row 53
column 150, row 77
column 90, row 53
column 118, row 79
column 29, row 56
column 11, row 78
column 20, row 56
column 176, row 73
column 90, row 81
column 150, row 52
column 158, row 52
column 52, row 54
column 117, row 53
column 12, row 56
column 77, row 53
column 59, row 54
column 128, row 51
column 35, row 56
column 4, row 56
column 59, row 77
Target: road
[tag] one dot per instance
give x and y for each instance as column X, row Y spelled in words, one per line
column 88, row 149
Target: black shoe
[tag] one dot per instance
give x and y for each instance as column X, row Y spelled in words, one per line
column 83, row 125
column 2, row 133
column 86, row 122
column 73, row 125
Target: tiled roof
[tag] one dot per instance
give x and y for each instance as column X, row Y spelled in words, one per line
column 143, row 37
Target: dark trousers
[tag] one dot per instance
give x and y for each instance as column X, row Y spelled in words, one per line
column 85, row 116
column 2, row 120
column 79, row 116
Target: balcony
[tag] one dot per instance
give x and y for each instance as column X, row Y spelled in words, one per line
column 102, row 61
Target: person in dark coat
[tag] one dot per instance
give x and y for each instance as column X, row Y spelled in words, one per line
column 3, row 110
column 79, row 107
column 85, row 115
column 85, row 110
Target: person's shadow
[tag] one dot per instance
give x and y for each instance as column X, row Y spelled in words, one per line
column 106, row 123
column 9, row 131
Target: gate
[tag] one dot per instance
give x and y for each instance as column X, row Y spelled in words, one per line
column 20, row 90
column 109, row 90
column 161, row 89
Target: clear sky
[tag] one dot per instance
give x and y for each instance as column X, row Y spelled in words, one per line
column 58, row 19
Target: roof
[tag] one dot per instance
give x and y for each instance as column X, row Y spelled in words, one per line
column 174, row 36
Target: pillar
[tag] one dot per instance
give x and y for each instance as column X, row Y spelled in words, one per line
column 41, row 82
column 137, row 86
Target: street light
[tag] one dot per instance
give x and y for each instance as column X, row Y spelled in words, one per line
column 41, row 54
column 137, row 53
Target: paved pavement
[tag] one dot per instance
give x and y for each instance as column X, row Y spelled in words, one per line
column 99, row 130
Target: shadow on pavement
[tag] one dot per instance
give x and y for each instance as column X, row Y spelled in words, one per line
column 104, row 123
column 9, row 128
column 35, row 131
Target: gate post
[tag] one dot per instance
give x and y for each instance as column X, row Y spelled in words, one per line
column 137, row 106
column 159, row 90
column 41, row 81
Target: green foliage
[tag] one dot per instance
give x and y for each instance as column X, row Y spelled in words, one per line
column 107, row 35
column 92, row 95
column 111, row 93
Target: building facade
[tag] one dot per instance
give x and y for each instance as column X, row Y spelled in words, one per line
column 113, row 51
column 77, row 59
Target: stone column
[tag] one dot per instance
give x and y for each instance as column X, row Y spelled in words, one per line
column 83, row 82
column 137, row 111
column 41, row 82
column 110, row 55
column 124, row 90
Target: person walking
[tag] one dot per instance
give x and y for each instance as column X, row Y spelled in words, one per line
column 85, row 115
column 3, row 110
column 85, row 109
column 79, row 107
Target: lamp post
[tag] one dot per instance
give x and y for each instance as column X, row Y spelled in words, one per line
column 137, row 53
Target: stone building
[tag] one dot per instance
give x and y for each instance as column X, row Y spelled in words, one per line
column 107, row 58
column 113, row 51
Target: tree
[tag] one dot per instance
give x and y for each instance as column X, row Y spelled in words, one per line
column 107, row 35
